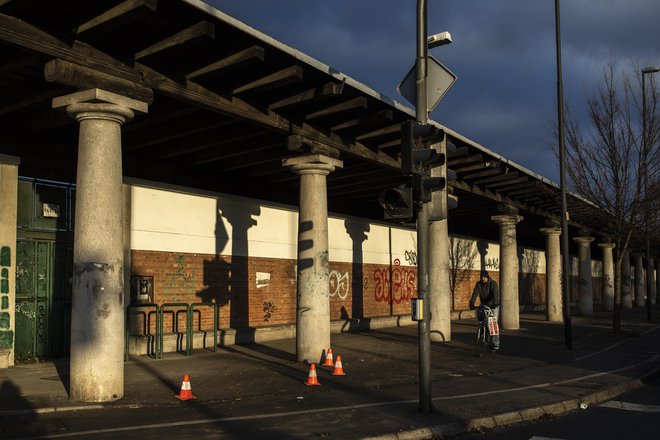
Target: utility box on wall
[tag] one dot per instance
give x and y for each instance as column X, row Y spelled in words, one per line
column 142, row 289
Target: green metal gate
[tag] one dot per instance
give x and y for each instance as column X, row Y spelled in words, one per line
column 44, row 267
column 43, row 300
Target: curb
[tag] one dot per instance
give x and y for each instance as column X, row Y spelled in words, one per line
column 524, row 415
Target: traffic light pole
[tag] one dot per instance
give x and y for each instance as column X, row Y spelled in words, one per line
column 423, row 225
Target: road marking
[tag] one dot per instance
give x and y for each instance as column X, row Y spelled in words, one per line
column 613, row 345
column 536, row 437
column 549, row 384
column 322, row 410
column 631, row 406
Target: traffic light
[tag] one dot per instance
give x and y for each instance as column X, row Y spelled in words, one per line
column 416, row 155
column 443, row 200
column 398, row 203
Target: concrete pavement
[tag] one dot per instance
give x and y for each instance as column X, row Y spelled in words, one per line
column 532, row 376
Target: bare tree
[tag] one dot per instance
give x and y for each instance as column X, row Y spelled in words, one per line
column 607, row 160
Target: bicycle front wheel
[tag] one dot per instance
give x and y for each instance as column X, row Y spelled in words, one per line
column 481, row 340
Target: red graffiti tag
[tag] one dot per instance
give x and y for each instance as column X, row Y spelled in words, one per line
column 404, row 284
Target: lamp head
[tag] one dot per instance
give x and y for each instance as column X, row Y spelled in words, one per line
column 439, row 39
column 651, row 69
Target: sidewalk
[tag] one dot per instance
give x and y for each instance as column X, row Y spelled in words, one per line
column 533, row 375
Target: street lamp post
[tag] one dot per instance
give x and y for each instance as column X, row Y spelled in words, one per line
column 649, row 265
column 565, row 278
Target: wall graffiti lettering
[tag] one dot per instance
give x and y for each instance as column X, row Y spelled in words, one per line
column 493, row 263
column 338, row 284
column 269, row 309
column 411, row 257
column 403, row 283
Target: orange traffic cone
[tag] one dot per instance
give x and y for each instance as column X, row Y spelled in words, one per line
column 312, row 379
column 338, row 371
column 329, row 362
column 186, row 390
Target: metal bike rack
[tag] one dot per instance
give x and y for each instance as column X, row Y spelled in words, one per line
column 215, row 321
column 157, row 338
column 176, row 324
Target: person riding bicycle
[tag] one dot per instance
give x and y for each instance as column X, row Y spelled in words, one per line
column 489, row 295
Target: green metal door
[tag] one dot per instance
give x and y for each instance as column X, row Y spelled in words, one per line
column 43, row 300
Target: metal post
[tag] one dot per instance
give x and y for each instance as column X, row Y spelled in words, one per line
column 565, row 285
column 646, row 203
column 423, row 226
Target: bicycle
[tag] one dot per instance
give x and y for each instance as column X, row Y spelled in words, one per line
column 486, row 328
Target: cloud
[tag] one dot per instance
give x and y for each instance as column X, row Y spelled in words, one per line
column 503, row 53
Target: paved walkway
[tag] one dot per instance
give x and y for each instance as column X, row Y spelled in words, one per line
column 533, row 375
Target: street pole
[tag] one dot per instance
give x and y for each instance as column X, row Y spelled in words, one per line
column 565, row 284
column 423, row 225
column 647, row 211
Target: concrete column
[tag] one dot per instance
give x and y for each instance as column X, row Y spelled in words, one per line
column 626, row 283
column 313, row 307
column 639, row 279
column 608, row 276
column 97, row 310
column 8, row 212
column 510, row 304
column 440, row 290
column 651, row 281
column 585, row 282
column 553, row 275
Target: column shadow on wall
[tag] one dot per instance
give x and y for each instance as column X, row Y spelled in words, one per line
column 357, row 230
column 227, row 277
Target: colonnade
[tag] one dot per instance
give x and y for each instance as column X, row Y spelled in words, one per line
column 97, row 316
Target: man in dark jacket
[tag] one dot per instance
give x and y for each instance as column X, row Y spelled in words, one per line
column 489, row 295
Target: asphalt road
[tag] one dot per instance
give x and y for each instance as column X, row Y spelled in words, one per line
column 634, row 415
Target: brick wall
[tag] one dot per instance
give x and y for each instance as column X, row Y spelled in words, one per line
column 253, row 292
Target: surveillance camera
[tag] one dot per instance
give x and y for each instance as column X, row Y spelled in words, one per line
column 439, row 39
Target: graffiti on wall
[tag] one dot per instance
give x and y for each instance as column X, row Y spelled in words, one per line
column 411, row 257
column 403, row 284
column 6, row 335
column 338, row 284
column 181, row 281
column 269, row 309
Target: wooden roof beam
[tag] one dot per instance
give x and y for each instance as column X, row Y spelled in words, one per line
column 507, row 182
column 465, row 160
column 351, row 104
column 474, row 167
column 527, row 190
column 203, row 29
column 244, row 58
column 366, row 121
column 117, row 11
column 505, row 176
column 325, row 91
column 380, row 132
column 485, row 173
column 274, row 80
column 64, row 72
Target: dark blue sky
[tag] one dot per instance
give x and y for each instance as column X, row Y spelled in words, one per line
column 503, row 54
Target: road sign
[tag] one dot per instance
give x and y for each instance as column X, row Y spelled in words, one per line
column 438, row 80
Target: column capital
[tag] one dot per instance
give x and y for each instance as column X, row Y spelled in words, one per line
column 312, row 164
column 551, row 231
column 507, row 219
column 99, row 104
column 606, row 245
column 583, row 241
